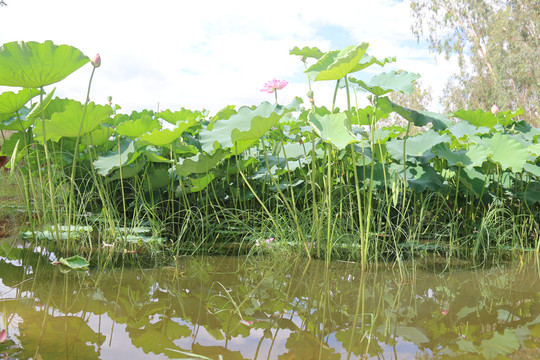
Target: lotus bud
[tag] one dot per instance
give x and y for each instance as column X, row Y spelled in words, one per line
column 96, row 62
column 494, row 109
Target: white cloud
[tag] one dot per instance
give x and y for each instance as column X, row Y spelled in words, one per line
column 211, row 53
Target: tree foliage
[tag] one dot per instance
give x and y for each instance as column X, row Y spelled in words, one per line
column 497, row 43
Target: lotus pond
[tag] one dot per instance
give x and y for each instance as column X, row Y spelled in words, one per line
column 117, row 213
column 266, row 308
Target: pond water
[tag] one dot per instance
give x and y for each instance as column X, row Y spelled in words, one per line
column 262, row 308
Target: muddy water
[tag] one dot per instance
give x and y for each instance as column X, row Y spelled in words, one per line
column 257, row 308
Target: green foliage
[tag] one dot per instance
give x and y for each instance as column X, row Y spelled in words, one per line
column 34, row 65
column 327, row 182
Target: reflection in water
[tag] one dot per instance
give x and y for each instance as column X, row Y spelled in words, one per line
column 258, row 308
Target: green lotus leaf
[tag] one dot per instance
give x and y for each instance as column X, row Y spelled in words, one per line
column 337, row 64
column 389, row 81
column 473, row 180
column 16, row 122
column 114, row 159
column 153, row 155
column 419, row 177
column 181, row 115
column 419, row 118
column 34, row 65
column 307, row 52
column 11, row 102
column 161, row 137
column 532, row 169
column 68, row 122
column 531, row 196
column 135, row 128
column 534, row 149
column 368, row 60
column 195, row 184
column 474, row 156
column 507, row 152
column 477, row 117
column 128, row 171
column 156, row 179
column 200, row 163
column 97, row 137
column 333, row 128
column 417, row 145
column 529, row 132
column 245, row 128
column 463, row 129
column 75, row 262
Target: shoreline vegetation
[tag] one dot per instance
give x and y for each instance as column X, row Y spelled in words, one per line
column 99, row 185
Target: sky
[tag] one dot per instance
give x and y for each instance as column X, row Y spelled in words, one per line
column 165, row 54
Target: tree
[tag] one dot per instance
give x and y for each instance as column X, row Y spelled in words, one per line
column 497, row 43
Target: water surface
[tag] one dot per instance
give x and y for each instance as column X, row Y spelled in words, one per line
column 261, row 308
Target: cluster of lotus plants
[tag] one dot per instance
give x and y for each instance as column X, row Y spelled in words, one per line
column 320, row 180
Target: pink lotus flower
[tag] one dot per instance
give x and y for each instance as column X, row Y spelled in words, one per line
column 494, row 109
column 3, row 336
column 274, row 85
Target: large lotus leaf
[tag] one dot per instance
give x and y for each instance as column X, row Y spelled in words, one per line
column 200, row 163
column 135, row 128
column 68, row 123
column 157, row 179
column 417, row 145
column 337, row 64
column 11, row 102
column 368, row 60
column 293, row 151
column 387, row 82
column 529, row 132
column 33, row 65
column 165, row 137
column 114, row 159
column 333, row 128
column 243, row 129
column 419, row 177
column 509, row 153
column 531, row 196
column 472, row 180
column 462, row 129
column 478, row 117
column 75, row 262
column 154, row 155
column 97, row 137
column 195, row 184
column 307, row 52
column 532, row 169
column 128, row 171
column 14, row 122
column 419, row 118
column 474, row 156
column 181, row 115
column 534, row 150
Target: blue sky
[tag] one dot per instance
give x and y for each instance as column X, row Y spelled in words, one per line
column 211, row 53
